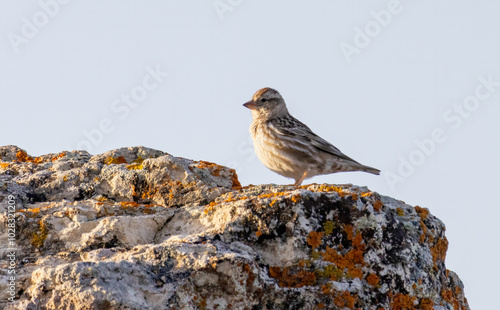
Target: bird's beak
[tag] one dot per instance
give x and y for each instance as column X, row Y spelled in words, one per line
column 250, row 104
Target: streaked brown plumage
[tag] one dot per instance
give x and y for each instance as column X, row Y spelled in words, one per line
column 288, row 147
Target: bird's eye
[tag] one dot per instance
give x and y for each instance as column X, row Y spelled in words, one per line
column 263, row 100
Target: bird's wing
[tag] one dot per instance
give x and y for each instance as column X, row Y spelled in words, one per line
column 293, row 127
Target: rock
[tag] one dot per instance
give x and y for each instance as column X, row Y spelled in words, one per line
column 137, row 228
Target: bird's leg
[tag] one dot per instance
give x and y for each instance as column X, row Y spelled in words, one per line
column 298, row 182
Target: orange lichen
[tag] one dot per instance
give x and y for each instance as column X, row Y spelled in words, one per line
column 403, row 302
column 210, row 207
column 236, row 185
column 439, row 249
column 31, row 213
column 352, row 262
column 321, row 305
column 400, row 211
column 116, row 161
column 326, row 188
column 296, row 198
column 349, row 231
column 377, row 205
column 38, row 160
column 366, row 194
column 314, row 239
column 60, row 155
column 214, row 168
column 273, row 202
column 4, row 165
column 286, row 278
column 373, row 279
column 272, row 195
column 258, row 233
column 229, row 198
column 325, row 288
column 133, row 204
column 427, row 304
column 422, row 212
column 424, row 231
column 451, row 298
column 22, row 156
column 344, row 299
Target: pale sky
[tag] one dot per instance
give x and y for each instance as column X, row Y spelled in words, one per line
column 411, row 88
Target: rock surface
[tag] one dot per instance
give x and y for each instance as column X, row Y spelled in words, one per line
column 137, row 228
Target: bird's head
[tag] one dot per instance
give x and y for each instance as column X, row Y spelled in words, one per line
column 267, row 103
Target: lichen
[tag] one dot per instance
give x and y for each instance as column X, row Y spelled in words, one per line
column 400, row 212
column 373, row 279
column 439, row 249
column 236, row 185
column 135, row 166
column 328, row 226
column 60, row 155
column 330, row 272
column 289, row 278
column 350, row 263
column 314, row 239
column 212, row 167
column 38, row 237
column 403, row 302
column 115, row 161
column 422, row 212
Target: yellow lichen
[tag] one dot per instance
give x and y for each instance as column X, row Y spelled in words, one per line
column 400, row 212
column 330, row 272
column 328, row 226
column 39, row 236
column 135, row 166
column 115, row 161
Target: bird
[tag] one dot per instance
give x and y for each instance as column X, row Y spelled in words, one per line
column 288, row 147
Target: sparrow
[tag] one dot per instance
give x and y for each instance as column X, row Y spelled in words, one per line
column 288, row 147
